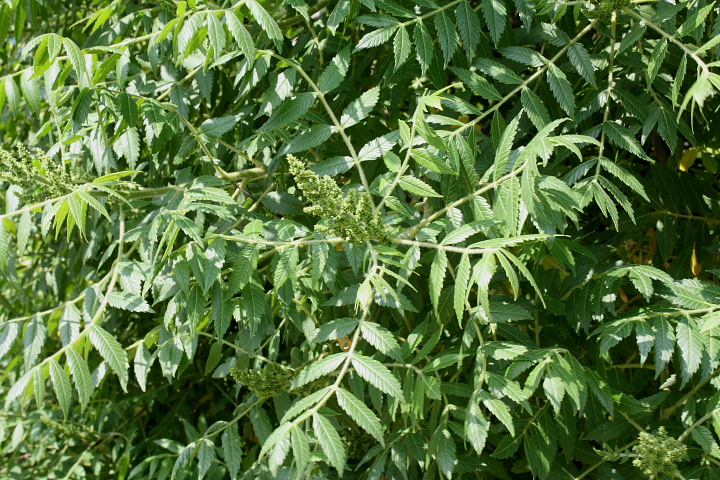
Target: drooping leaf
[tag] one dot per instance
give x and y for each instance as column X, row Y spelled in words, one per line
column 111, row 351
column 61, row 385
column 330, row 442
column 81, row 376
column 494, row 13
column 362, row 415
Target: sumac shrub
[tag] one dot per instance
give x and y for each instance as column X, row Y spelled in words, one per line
column 372, row 239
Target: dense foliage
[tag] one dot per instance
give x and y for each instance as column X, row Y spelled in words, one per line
column 377, row 239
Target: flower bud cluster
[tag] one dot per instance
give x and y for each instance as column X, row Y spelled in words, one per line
column 659, row 453
column 37, row 174
column 271, row 381
column 603, row 8
column 350, row 217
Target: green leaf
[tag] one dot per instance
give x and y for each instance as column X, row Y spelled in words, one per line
column 81, row 376
column 664, row 343
column 69, row 326
column 188, row 39
column 535, row 108
column 333, row 166
column 524, row 55
column 334, row 329
column 216, row 35
column 154, row 118
column 499, row 409
column 255, row 304
column 360, row 413
column 417, row 187
column 447, row 35
column 697, row 93
column 380, row 338
column 498, row 71
column 338, row 15
column 278, row 453
column 443, row 361
column 77, row 59
column 704, row 437
column 316, row 136
column 378, row 147
column 502, row 154
column 645, row 338
column 38, row 385
column 232, row 450
column 561, row 88
column 303, row 403
column 244, row 266
column 285, row 269
column 430, row 161
column 278, row 436
column 128, row 301
column 476, row 426
column 217, row 127
column 142, row 363
column 113, row 353
column 667, row 127
column 205, row 456
column 423, row 46
column 401, row 46
column 360, row 108
column 330, row 442
column 241, row 35
column 522, row 268
column 183, row 459
column 127, row 145
column 335, row 72
column 19, row 387
column 437, row 277
column 443, row 446
column 61, row 384
column 624, row 139
column 377, row 375
column 375, row 38
column 463, row 232
column 540, row 451
column 265, row 20
column 624, row 176
column 680, row 78
column 301, row 449
column 318, row 369
column 8, row 335
column 580, row 60
column 690, row 344
column 656, row 60
column 495, row 14
column 507, row 204
column 34, row 339
column 462, row 278
column 31, row 90
column 476, row 83
column 469, row 27
column 289, row 111
column 12, row 93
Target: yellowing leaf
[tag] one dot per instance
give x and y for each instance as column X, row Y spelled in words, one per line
column 695, row 266
column 688, row 159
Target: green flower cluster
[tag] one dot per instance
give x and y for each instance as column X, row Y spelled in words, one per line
column 350, row 217
column 659, row 453
column 271, row 381
column 603, row 8
column 71, row 430
column 38, row 175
